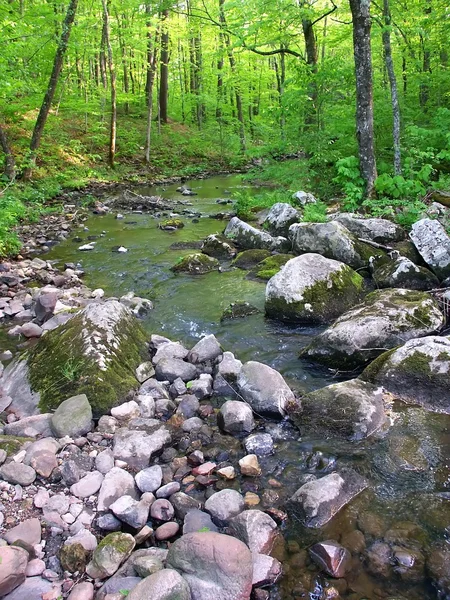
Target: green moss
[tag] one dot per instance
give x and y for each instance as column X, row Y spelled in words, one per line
column 12, row 444
column 49, row 359
column 238, row 310
column 417, row 363
column 176, row 223
column 116, row 540
column 250, row 258
column 371, row 371
column 270, row 266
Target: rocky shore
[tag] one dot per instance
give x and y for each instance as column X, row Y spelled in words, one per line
column 133, row 466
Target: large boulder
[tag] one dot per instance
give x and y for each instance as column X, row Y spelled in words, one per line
column 214, row 565
column 246, row 236
column 256, row 529
column 417, row 372
column 312, row 289
column 165, row 584
column 385, row 318
column 13, row 561
column 218, row 247
column 264, row 389
column 236, row 417
column 401, row 272
column 433, row 244
column 317, row 501
column 280, row 217
column 331, row 240
column 377, row 230
column 73, row 417
column 95, row 353
column 351, row 409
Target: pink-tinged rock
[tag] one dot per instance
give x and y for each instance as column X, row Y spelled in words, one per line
column 13, row 563
column 167, row 531
column 82, row 591
column 266, row 570
column 331, row 557
column 29, row 531
column 216, row 566
column 204, row 469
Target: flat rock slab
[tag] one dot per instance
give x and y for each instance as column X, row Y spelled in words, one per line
column 433, row 244
column 136, row 447
column 317, row 501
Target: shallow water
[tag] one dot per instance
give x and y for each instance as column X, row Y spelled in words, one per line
column 407, row 466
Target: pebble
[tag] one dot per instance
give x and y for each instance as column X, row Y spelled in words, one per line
column 249, row 466
column 162, row 510
column 166, row 531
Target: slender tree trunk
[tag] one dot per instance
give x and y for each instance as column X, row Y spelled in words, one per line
column 164, row 69
column 51, row 89
column 364, row 92
column 311, row 60
column 237, row 93
column 424, row 90
column 220, row 65
column 152, row 58
column 393, row 85
column 10, row 164
column 123, row 51
column 112, row 78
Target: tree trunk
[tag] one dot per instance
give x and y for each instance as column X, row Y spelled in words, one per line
column 311, row 60
column 112, row 78
column 393, row 85
column 364, row 92
column 164, row 70
column 152, row 58
column 10, row 165
column 51, row 89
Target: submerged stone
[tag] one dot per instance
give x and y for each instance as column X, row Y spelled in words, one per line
column 246, row 236
column 196, row 264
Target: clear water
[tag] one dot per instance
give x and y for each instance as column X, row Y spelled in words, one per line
column 408, row 466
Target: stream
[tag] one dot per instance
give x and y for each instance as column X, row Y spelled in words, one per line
column 407, row 505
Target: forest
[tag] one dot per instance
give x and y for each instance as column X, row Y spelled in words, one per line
column 357, row 92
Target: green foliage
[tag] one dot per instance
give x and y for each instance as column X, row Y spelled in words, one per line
column 316, row 212
column 349, row 179
column 248, row 202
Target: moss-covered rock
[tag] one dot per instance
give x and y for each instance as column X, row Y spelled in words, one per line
column 384, row 318
column 12, row 444
column 331, row 240
column 250, row 258
column 270, row 266
column 246, row 236
column 196, row 264
column 171, row 224
column 218, row 247
column 95, row 353
column 417, row 372
column 403, row 273
column 312, row 289
column 238, row 310
column 112, row 551
column 374, row 229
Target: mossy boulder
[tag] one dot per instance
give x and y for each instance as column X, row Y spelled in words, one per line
column 280, row 217
column 331, row 240
column 11, row 444
column 246, row 236
column 379, row 323
column 270, row 266
column 374, row 229
column 401, row 272
column 171, row 224
column 196, row 264
column 112, row 551
column 417, row 372
column 95, row 353
column 250, row 258
column 312, row 289
column 350, row 410
column 433, row 244
column 239, row 310
column 218, row 247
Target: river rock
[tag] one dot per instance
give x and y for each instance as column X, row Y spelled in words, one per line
column 236, row 417
column 312, row 289
column 15, row 383
column 266, row 570
column 226, row 373
column 45, row 306
column 132, row 512
column 318, row 500
column 218, row 247
column 170, row 350
column 264, row 389
column 304, row 198
column 117, row 587
column 103, row 343
column 13, row 566
column 205, row 350
column 260, row 444
column 29, row 531
column 214, row 565
column 196, row 264
column 401, row 272
column 224, row 505
column 256, row 529
column 438, row 565
column 352, row 410
column 136, row 447
column 149, row 480
column 433, row 244
column 88, row 485
column 165, row 584
column 202, row 387
column 249, row 466
column 331, row 240
column 73, row 417
column 248, row 237
column 183, row 503
column 17, row 473
column 82, row 591
column 417, row 372
column 332, row 558
column 247, row 259
column 197, row 520
column 112, row 551
column 382, row 321
column 34, row 588
column 378, row 230
column 116, row 483
column 280, row 217
column 170, row 369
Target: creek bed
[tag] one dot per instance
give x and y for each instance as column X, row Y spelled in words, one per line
column 408, row 467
